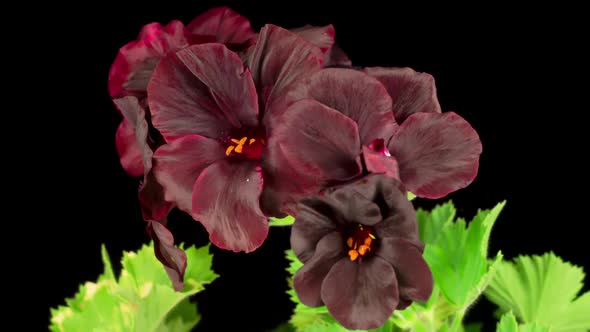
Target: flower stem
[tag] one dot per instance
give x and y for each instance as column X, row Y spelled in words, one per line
column 458, row 318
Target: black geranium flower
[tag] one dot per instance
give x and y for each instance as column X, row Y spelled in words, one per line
column 361, row 253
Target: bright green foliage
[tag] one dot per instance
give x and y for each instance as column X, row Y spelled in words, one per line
column 430, row 224
column 542, row 289
column 287, row 221
column 508, row 323
column 141, row 300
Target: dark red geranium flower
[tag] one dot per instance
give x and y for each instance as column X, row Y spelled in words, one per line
column 360, row 251
column 219, row 119
column 432, row 153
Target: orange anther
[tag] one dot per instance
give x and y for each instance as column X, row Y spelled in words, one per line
column 353, row 254
column 363, row 249
column 229, row 150
column 349, row 242
column 368, row 241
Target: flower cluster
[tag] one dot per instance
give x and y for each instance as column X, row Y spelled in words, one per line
column 234, row 126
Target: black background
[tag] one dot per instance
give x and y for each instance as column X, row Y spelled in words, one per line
column 513, row 73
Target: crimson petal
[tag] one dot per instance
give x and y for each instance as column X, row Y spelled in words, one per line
column 224, row 24
column 204, row 90
column 226, row 201
column 376, row 162
column 173, row 258
column 437, row 153
column 413, row 274
column 179, row 164
column 128, row 149
column 356, row 95
column 411, row 91
column 308, row 279
column 361, row 296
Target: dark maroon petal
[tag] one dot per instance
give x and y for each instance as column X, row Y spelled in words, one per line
column 413, row 274
column 308, row 279
column 203, row 90
column 135, row 62
column 179, row 164
column 314, row 145
column 226, row 201
column 225, row 24
column 128, row 149
column 152, row 199
column 411, row 92
column 133, row 112
column 173, row 259
column 312, row 222
column 361, row 296
column 437, row 153
column 322, row 37
column 278, row 61
column 399, row 216
column 379, row 163
column 336, row 57
column 356, row 95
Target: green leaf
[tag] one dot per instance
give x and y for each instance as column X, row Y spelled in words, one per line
column 429, row 316
column 142, row 299
column 508, row 324
column 430, row 224
column 285, row 327
column 458, row 255
column 287, row 221
column 411, row 196
column 542, row 289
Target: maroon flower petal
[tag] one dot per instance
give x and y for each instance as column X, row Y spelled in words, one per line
column 312, row 223
column 315, row 145
column 361, row 296
column 204, row 90
column 322, row 37
column 379, row 163
column 399, row 216
column 179, row 164
column 128, row 149
column 226, row 201
column 437, row 153
column 413, row 274
column 135, row 114
column 336, row 57
column 152, row 199
column 280, row 59
column 411, row 92
column 225, row 24
column 356, row 95
column 173, row 259
column 135, row 62
column 308, row 279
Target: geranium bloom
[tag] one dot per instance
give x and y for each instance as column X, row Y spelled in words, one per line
column 402, row 130
column 219, row 119
column 360, row 251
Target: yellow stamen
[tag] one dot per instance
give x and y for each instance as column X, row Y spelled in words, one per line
column 229, row 150
column 372, row 236
column 349, row 242
column 363, row 249
column 361, row 227
column 252, row 140
column 353, row 254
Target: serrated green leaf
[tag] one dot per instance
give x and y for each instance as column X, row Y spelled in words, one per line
column 508, row 323
column 431, row 223
column 542, row 289
column 287, row 221
column 458, row 256
column 108, row 273
column 141, row 300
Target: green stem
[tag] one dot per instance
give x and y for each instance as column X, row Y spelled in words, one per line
column 456, row 326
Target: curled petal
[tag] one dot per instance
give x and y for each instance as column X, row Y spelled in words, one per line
column 380, row 163
column 437, row 153
column 308, row 279
column 187, row 95
column 226, row 201
column 173, row 258
column 361, row 296
column 411, row 92
column 224, row 24
column 128, row 149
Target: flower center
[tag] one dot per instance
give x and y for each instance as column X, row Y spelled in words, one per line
column 249, row 145
column 360, row 242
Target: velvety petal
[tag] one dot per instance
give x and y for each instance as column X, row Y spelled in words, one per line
column 226, row 201
column 380, row 163
column 173, row 258
column 225, row 24
column 134, row 113
column 411, row 92
column 128, row 149
column 356, row 95
column 316, row 145
column 308, row 279
column 322, row 37
column 152, row 199
column 398, row 212
column 179, row 164
column 135, row 62
column 312, row 222
column 361, row 295
column 278, row 61
column 437, row 153
column 336, row 57
column 204, row 90
column 413, row 274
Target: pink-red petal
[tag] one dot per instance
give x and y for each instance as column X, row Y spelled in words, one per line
column 224, row 24
column 128, row 149
column 173, row 258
